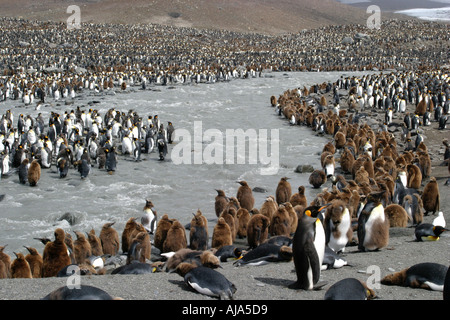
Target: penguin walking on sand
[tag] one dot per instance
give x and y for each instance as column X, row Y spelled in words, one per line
column 206, row 281
column 428, row 232
column 373, row 225
column 349, row 289
column 308, row 247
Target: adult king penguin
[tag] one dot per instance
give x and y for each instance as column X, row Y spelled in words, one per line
column 308, row 246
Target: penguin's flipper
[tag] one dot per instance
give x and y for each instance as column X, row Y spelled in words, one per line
column 313, row 257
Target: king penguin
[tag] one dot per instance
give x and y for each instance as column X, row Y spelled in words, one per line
column 20, row 268
column 349, row 289
column 206, row 281
column 373, row 226
column 426, row 275
column 428, row 232
column 308, row 246
column 148, row 219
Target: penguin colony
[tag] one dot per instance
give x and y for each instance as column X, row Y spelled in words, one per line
column 372, row 174
column 375, row 174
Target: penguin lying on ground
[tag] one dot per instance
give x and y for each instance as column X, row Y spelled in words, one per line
column 206, row 281
column 349, row 289
column 264, row 254
column 427, row 275
column 85, row 292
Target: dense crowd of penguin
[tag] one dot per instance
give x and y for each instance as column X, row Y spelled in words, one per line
column 380, row 173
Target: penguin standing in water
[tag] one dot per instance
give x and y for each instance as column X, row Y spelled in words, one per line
column 23, row 171
column 162, row 145
column 206, row 281
column 111, row 160
column 84, row 168
column 170, row 131
column 373, row 225
column 308, row 247
column 34, row 173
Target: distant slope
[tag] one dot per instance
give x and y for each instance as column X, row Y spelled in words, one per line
column 262, row 16
column 394, row 5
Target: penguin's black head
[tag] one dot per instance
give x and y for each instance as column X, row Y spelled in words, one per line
column 437, row 230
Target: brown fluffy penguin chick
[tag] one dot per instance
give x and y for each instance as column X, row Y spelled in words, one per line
column 283, row 192
column 109, row 238
column 317, row 178
column 6, row 260
column 140, row 248
column 346, row 161
column 257, row 230
column 431, row 196
column 162, row 228
column 221, row 202
column 244, row 217
column 35, row 261
column 281, row 223
column 245, row 196
column 20, row 268
column 96, row 244
column 230, row 216
column 198, row 233
column 299, row 198
column 34, row 173
column 55, row 256
column 3, row 271
column 222, row 235
column 414, row 176
column 269, row 207
column 397, row 215
column 292, row 216
column 176, row 238
column 81, row 248
column 129, row 228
